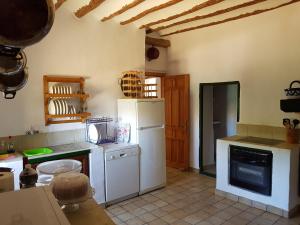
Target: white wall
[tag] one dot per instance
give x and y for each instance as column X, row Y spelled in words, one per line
column 99, row 51
column 262, row 52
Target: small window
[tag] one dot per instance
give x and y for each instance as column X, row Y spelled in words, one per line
column 153, row 87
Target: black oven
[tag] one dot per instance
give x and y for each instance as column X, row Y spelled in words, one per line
column 251, row 169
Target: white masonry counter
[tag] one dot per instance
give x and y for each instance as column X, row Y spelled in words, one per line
column 284, row 198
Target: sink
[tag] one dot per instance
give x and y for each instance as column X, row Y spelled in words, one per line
column 37, row 152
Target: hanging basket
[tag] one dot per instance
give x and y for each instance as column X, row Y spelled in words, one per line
column 132, row 84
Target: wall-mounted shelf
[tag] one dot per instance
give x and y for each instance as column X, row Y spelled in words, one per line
column 78, row 97
column 81, row 96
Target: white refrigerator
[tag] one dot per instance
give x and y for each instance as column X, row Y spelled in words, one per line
column 147, row 118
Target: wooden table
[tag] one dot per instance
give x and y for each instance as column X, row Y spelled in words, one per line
column 89, row 213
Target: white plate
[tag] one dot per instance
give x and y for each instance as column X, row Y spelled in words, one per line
column 63, row 89
column 63, row 102
column 56, row 90
column 51, row 107
column 60, row 110
column 93, row 133
column 64, row 110
column 51, row 90
column 74, row 109
column 61, row 106
column 70, row 90
column 56, row 107
column 66, row 106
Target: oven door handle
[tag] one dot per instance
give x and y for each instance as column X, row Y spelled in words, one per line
column 252, row 162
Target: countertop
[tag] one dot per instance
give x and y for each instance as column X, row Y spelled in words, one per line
column 18, row 157
column 117, row 146
column 68, row 148
column 279, row 144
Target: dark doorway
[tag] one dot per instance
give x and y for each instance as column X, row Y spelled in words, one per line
column 219, row 113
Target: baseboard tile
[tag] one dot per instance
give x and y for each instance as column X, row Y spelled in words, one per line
column 259, row 205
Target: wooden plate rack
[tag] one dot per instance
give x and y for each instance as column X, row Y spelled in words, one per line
column 81, row 96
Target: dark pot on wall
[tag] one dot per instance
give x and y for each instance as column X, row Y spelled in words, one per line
column 9, row 85
column 152, row 53
column 10, row 64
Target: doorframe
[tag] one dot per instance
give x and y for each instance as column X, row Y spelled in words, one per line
column 201, row 87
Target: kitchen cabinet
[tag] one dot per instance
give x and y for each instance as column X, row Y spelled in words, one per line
column 82, row 156
column 91, row 156
column 78, row 95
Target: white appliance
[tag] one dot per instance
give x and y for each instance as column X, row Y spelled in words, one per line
column 121, row 171
column 147, row 119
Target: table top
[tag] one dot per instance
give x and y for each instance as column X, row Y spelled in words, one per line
column 89, row 213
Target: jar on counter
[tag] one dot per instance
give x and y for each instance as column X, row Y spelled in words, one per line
column 28, row 177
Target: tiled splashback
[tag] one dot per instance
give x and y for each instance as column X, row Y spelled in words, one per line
column 23, row 142
column 270, row 132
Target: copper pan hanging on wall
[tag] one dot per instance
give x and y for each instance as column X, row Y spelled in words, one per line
column 22, row 23
column 25, row 22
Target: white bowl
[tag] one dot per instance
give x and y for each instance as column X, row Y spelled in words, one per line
column 59, row 166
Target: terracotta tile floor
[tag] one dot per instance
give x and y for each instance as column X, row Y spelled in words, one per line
column 189, row 199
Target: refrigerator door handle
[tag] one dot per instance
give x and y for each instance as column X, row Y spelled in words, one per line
column 151, row 127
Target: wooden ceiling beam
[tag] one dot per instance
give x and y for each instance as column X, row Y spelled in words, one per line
column 123, row 9
column 59, row 3
column 256, row 12
column 158, row 42
column 216, row 13
column 191, row 10
column 151, row 10
column 93, row 4
column 155, row 74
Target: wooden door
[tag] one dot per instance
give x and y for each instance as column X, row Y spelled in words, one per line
column 175, row 90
